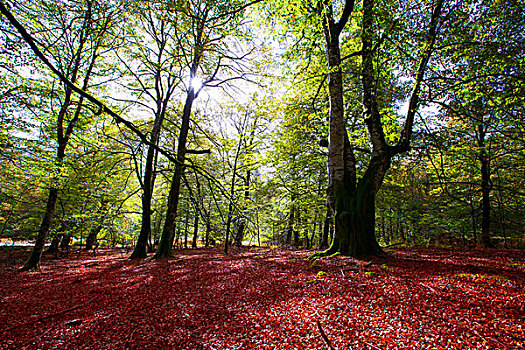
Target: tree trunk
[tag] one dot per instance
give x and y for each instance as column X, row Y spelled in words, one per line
column 353, row 202
column 355, row 217
column 485, row 189
column 141, row 247
column 239, row 236
column 195, row 230
column 164, row 250
column 232, row 194
column 291, row 221
column 148, row 183
column 64, row 243
column 323, row 241
column 92, row 237
column 186, row 229
column 95, row 230
column 228, row 225
column 208, row 229
column 63, row 135
column 296, row 230
column 53, row 247
column 34, row 259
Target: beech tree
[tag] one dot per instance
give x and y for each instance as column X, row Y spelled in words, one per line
column 352, row 193
column 157, row 75
column 78, row 36
column 358, row 85
column 210, row 62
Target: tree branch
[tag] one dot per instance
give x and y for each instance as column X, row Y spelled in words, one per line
column 102, row 107
column 404, row 141
column 347, row 11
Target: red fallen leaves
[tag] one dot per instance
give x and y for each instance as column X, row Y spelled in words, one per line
column 267, row 299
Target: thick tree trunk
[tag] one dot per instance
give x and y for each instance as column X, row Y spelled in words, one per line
column 53, row 247
column 355, row 216
column 64, row 243
column 239, row 235
column 92, row 237
column 353, row 202
column 33, row 262
column 95, row 230
column 351, row 209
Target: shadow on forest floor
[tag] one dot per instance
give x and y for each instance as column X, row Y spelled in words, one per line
column 265, row 299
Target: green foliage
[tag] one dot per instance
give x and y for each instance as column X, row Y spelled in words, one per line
column 267, row 168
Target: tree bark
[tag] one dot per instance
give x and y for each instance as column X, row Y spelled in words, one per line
column 148, row 182
column 164, row 250
column 33, row 262
column 239, row 237
column 296, row 241
column 485, row 189
column 63, row 136
column 291, row 222
column 195, row 230
column 352, row 201
column 323, row 241
column 92, row 237
column 95, row 230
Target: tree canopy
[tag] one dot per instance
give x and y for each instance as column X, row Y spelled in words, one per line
column 347, row 126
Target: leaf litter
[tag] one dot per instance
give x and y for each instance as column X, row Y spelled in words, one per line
column 267, row 299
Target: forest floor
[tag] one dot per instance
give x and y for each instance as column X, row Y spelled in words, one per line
column 266, row 299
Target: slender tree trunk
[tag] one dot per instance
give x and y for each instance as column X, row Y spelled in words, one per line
column 232, row 194
column 141, row 247
column 323, row 241
column 186, row 229
column 242, row 226
column 296, row 231
column 228, row 225
column 291, row 221
column 485, row 189
column 63, row 136
column 164, row 250
column 208, row 229
column 148, row 182
column 195, row 230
